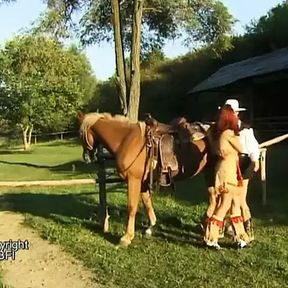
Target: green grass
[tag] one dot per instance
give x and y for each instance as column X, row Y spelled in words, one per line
column 174, row 256
column 47, row 161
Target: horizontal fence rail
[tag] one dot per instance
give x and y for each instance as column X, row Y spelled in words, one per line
column 271, row 124
column 47, row 183
column 55, row 135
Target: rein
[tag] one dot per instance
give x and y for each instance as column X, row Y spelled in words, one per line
column 152, row 155
column 151, row 146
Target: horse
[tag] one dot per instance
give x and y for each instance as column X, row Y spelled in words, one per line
column 132, row 144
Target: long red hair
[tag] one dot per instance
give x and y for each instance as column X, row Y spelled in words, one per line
column 226, row 119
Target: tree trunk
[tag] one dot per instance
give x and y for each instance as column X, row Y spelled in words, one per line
column 119, row 56
column 30, row 135
column 26, row 136
column 134, row 97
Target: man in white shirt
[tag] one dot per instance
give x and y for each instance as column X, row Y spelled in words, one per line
column 249, row 163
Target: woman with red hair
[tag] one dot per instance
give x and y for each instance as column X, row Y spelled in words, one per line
column 225, row 139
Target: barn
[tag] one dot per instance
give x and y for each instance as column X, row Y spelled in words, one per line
column 259, row 83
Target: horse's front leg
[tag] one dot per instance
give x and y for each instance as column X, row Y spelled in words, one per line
column 134, row 187
column 147, row 201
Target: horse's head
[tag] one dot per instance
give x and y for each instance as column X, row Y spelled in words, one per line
column 89, row 146
column 89, row 143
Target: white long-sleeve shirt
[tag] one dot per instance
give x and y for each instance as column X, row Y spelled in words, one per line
column 249, row 143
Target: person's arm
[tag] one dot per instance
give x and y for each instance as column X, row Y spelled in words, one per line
column 252, row 145
column 234, row 140
column 253, row 148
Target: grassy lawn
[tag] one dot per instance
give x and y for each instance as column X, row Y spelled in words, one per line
column 47, row 161
column 174, row 256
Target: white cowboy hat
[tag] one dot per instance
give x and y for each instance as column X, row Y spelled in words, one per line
column 234, row 105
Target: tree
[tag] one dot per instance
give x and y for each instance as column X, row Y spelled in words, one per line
column 124, row 21
column 270, row 30
column 6, row 1
column 43, row 84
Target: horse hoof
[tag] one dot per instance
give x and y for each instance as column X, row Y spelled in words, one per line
column 149, row 231
column 121, row 246
column 124, row 242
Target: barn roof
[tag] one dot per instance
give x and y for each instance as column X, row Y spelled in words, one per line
column 251, row 67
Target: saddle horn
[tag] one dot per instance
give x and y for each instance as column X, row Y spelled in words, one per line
column 150, row 121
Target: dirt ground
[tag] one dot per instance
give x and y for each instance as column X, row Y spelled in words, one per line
column 43, row 265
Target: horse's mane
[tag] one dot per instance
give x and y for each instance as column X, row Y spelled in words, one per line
column 91, row 118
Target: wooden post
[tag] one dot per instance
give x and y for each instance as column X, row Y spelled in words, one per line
column 263, row 151
column 263, row 175
column 101, row 174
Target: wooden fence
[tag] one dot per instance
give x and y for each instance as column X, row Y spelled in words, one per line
column 269, row 127
column 101, row 177
column 54, row 135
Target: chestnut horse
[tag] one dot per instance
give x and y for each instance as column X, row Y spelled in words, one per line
column 128, row 142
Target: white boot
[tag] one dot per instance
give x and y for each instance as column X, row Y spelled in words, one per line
column 213, row 244
column 241, row 244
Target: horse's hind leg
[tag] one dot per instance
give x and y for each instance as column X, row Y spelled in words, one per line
column 147, row 201
column 134, row 186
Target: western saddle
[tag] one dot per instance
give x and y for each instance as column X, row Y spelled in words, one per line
column 162, row 140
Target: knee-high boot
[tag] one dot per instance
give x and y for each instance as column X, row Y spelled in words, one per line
column 204, row 222
column 241, row 237
column 248, row 226
column 212, row 232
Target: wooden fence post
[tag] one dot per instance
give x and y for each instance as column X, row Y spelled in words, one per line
column 101, row 174
column 263, row 151
column 263, row 175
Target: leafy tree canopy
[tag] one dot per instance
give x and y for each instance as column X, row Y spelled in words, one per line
column 196, row 21
column 6, row 1
column 43, row 84
column 271, row 28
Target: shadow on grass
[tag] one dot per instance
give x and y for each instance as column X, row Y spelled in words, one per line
column 68, row 209
column 275, row 212
column 44, row 205
column 83, row 207
column 64, row 209
column 73, row 167
column 13, row 151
